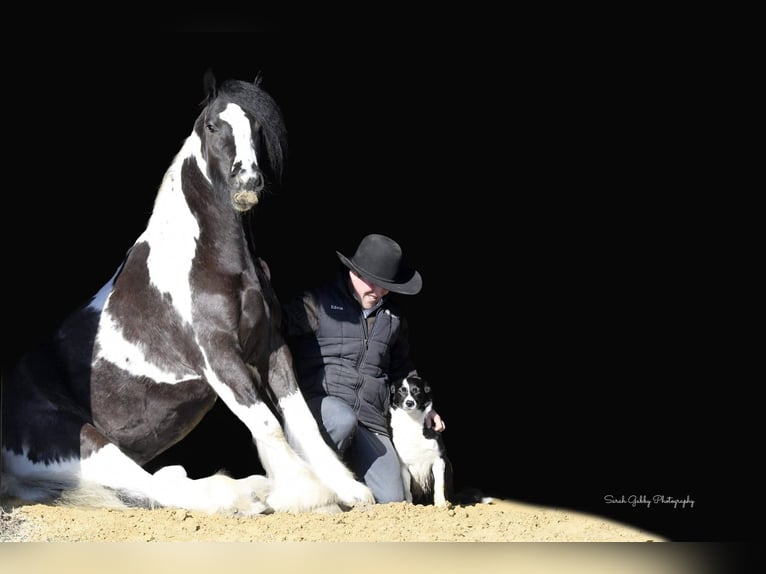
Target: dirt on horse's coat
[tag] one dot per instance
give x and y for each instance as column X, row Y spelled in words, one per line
column 189, row 318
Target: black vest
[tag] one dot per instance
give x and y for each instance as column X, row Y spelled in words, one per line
column 346, row 358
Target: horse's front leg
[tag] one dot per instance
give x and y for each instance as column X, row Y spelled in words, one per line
column 296, row 487
column 303, row 433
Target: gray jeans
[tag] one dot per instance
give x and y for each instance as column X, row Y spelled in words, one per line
column 370, row 455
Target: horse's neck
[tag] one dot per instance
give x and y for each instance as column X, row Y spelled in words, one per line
column 172, row 226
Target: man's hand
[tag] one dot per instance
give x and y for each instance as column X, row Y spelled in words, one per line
column 434, row 421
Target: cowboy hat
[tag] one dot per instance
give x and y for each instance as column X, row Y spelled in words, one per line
column 378, row 259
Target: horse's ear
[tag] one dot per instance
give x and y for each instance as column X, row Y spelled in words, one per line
column 258, row 79
column 209, row 85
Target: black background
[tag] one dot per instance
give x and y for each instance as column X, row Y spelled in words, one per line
column 542, row 171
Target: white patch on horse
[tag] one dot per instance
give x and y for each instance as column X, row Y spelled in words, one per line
column 240, row 127
column 129, row 357
column 172, row 233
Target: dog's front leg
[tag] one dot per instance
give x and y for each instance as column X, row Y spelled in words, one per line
column 440, row 470
column 407, row 481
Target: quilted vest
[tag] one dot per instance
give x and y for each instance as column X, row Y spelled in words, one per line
column 351, row 361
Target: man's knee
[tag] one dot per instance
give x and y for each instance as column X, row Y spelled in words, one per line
column 336, row 419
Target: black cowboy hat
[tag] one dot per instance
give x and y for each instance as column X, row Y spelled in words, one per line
column 378, row 259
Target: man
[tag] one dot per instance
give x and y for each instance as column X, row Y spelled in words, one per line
column 349, row 341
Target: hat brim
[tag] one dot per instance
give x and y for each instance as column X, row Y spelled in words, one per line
column 409, row 286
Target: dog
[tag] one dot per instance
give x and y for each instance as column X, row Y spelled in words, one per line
column 426, row 469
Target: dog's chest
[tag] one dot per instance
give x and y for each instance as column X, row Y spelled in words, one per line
column 407, row 431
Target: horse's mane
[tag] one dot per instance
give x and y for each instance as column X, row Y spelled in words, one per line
column 254, row 100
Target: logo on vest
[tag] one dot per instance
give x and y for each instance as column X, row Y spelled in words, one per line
column 336, row 307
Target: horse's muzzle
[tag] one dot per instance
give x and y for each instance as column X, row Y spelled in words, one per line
column 244, row 200
column 248, row 190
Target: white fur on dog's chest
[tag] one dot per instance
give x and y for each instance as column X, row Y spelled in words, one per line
column 412, row 446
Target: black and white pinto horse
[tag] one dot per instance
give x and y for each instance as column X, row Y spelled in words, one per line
column 189, row 318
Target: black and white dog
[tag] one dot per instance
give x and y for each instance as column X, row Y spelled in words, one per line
column 426, row 470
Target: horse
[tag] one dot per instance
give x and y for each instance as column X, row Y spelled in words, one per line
column 189, row 318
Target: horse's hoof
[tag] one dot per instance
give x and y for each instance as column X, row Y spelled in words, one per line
column 355, row 494
column 256, row 508
column 260, row 486
column 328, row 509
column 173, row 472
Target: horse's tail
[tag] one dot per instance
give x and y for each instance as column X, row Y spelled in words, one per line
column 60, row 491
column 90, row 495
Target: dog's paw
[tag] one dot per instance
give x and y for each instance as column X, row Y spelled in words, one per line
column 472, row 495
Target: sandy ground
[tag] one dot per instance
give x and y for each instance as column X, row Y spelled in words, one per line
column 498, row 521
column 502, row 536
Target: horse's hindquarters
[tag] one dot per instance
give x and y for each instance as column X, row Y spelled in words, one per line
column 145, row 417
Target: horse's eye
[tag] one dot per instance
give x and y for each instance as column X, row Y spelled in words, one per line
column 210, row 128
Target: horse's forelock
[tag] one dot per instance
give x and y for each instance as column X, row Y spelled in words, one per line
column 255, row 101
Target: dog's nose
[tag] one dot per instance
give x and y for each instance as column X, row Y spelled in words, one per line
column 409, row 403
